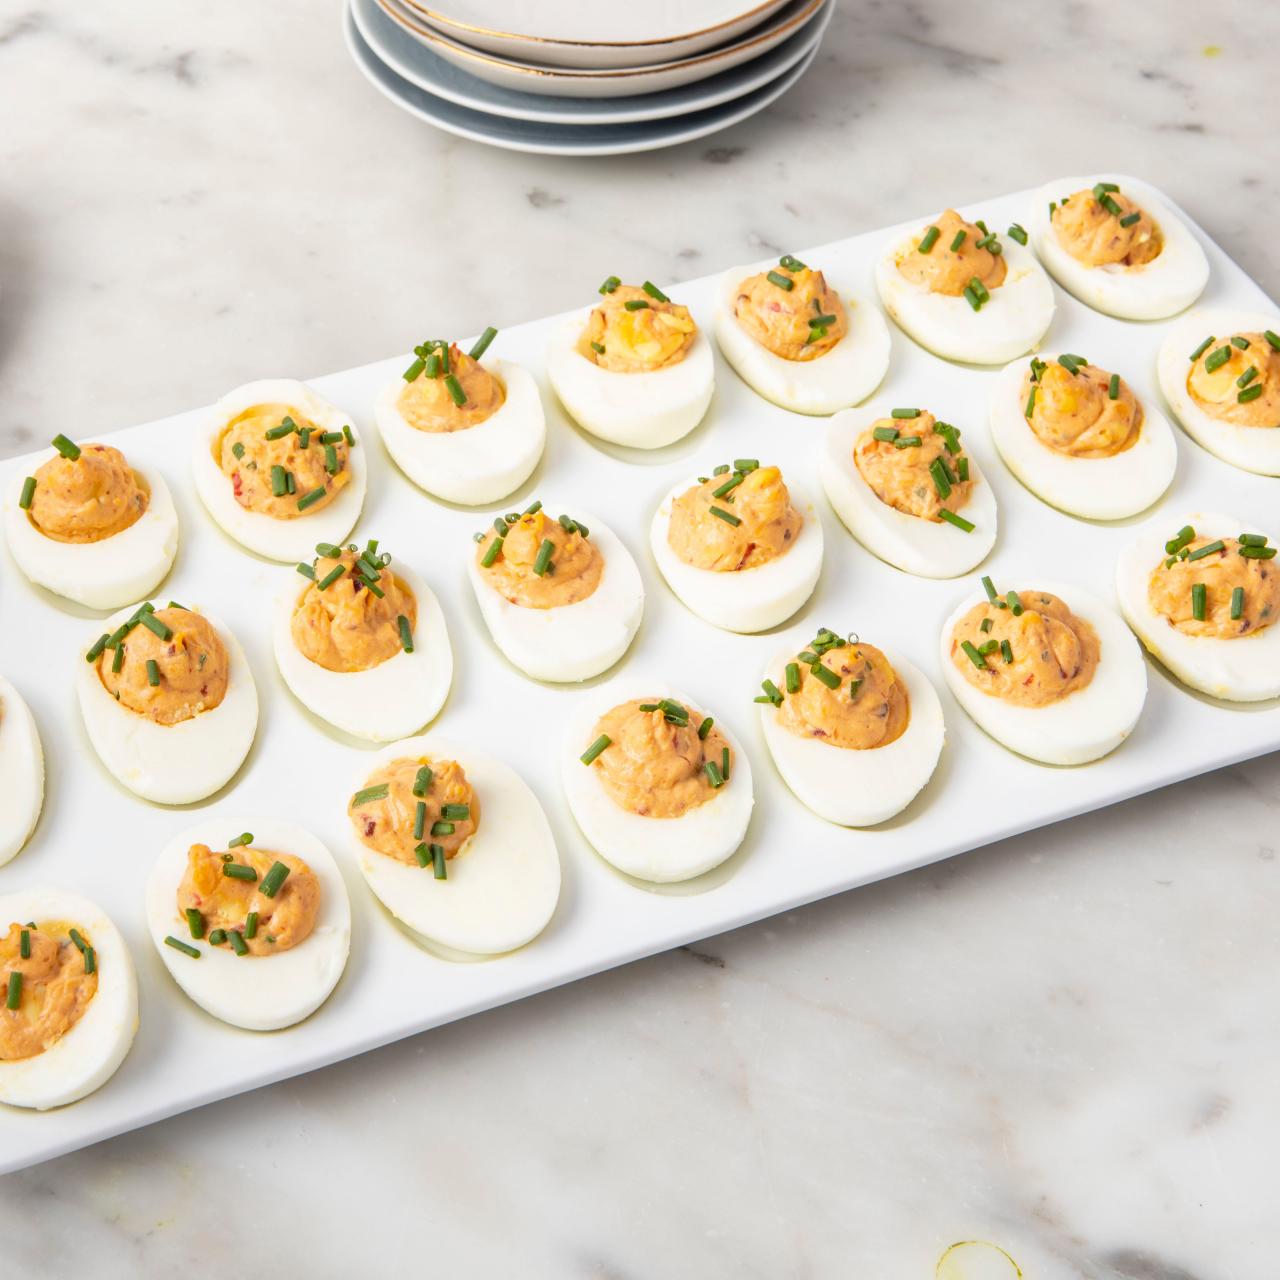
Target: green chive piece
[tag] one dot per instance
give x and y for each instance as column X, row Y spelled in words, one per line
column 423, row 855
column 636, row 304
column 1208, row 549
column 455, row 812
column 68, row 448
column 724, row 764
column 598, row 348
column 414, row 370
column 276, row 875
column 965, row 526
column 237, row 942
column 442, row 828
column 885, row 433
column 1202, row 348
column 1237, row 603
column 24, row 944
column 1240, row 342
column 854, row 686
column 330, row 578
column 185, row 947
column 117, row 663
column 331, row 464
column 237, row 842
column 596, row 748
column 491, row 553
column 1130, row 219
column 928, row 240
column 369, row 794
column 28, row 492
column 1247, row 376
column 1273, row 339
column 1216, row 359
column 1015, row 603
column 654, row 292
column 153, row 673
column 1006, row 651
column 937, row 472
column 1252, row 539
column 155, row 626
column 990, row 588
column 78, row 939
column 422, row 783
column 438, row 861
column 791, row 264
column 1113, row 387
column 962, row 469
column 973, row 655
column 714, row 776
column 979, row 289
column 785, row 283
column 13, row 998
column 746, row 464
column 1250, row 393
column 1071, row 363
column 828, row 677
column 908, row 442
column 1031, row 403
column 542, row 561
column 1258, row 553
column 793, row 677
column 705, row 728
column 433, row 365
column 972, row 298
column 727, row 516
column 286, row 428
column 904, row 413
column 1017, row 232
column 610, row 284
column 985, row 624
column 238, row 871
column 279, row 481
column 988, row 646
column 195, row 922
column 310, row 499
column 251, row 924
column 959, row 240
column 729, row 485
column 482, row 343
column 96, row 648
column 419, row 819
column 454, row 388
column 772, row 692
column 1199, row 594
column 1185, row 534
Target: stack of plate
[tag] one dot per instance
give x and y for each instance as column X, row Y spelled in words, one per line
column 582, row 78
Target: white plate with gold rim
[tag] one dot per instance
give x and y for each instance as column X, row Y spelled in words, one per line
column 626, row 81
column 570, row 33
column 416, row 62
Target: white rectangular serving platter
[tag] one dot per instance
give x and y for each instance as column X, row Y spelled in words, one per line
column 100, row 840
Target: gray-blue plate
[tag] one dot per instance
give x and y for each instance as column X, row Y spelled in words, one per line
column 545, row 138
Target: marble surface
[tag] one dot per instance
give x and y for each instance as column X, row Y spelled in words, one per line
column 1064, row 1044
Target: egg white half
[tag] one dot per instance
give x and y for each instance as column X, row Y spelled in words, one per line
column 858, row 788
column 661, row 850
column 1085, row 725
column 1245, row 669
column 641, row 410
column 100, row 575
column 259, row 993
column 745, row 600
column 846, row 375
column 911, row 543
column 574, row 641
column 91, row 1051
column 1012, row 322
column 178, row 763
column 502, row 887
column 1096, row 488
column 1172, row 280
column 264, row 535
column 21, row 773
column 1254, row 449
column 482, row 464
column 389, row 701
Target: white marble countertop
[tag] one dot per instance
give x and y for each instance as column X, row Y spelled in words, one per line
column 1065, row 1044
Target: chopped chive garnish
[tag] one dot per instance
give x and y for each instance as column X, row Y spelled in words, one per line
column 727, row 516
column 793, row 677
column 455, row 812
column 348, row 435
column 482, row 343
column 419, row 819
column 962, row 469
column 1208, row 549
column 1216, row 359
column 155, row 626
column 596, row 748
column 96, row 648
column 1185, row 535
column 368, row 794
column 331, row 577
column 433, row 365
column 654, row 292
column 785, row 283
column 1250, row 393
column 1252, row 539
column 24, row 944
column 888, row 434
column 973, row 655
column 1006, row 651
column 1070, row 363
column 724, row 763
column 1129, row 219
column 772, row 692
column 929, row 239
column 238, row 871
column 422, row 783
column 28, row 492
column 1015, row 603
column 1113, row 387
column 1273, row 339
column 331, row 464
column 985, row 624
column 705, row 728
column 251, row 924
column 533, row 508
column 822, row 322
column 1258, row 553
column 958, row 240
column 423, row 855
column 306, row 570
column 438, row 862
column 406, row 634
column 1018, row 233
column 990, row 588
column 1199, row 594
column 185, row 947
column 1202, row 348
column 195, row 922
column 988, row 646
column 636, row 304
column 13, row 997
column 728, row 486
column 238, row 842
column 1247, row 376
column 908, row 442
column 442, row 828
column 153, row 673
column 941, row 483
column 117, row 663
column 714, row 776
column 791, row 263
column 279, row 481
column 972, row 298
column 854, row 686
column 598, row 348
column 1240, row 342
column 610, row 284
column 828, row 677
column 904, row 413
column 286, row 428
column 276, row 875
column 68, row 448
column 237, row 450
column 1237, row 602
column 217, row 937
column 237, row 942
column 310, row 499
column 414, row 369
column 965, row 526
column 491, row 553
column 979, row 289
column 1031, row 403
column 454, row 388
column 542, row 561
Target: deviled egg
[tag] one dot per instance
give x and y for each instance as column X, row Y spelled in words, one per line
column 280, row 469
column 960, row 291
column 1118, row 247
column 21, row 772
column 254, row 926
column 1205, row 599
column 168, row 701
column 363, row 643
column 463, row 429
column 70, row 1007
column 561, row 596
column 88, row 526
column 735, row 548
column 455, row 845
column 1052, row 674
column 904, row 485
column 1079, row 437
column 1220, row 372
column 854, row 733
column 796, row 340
column 659, row 788
column 635, row 369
